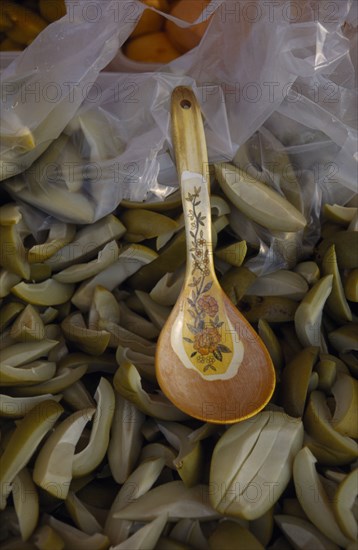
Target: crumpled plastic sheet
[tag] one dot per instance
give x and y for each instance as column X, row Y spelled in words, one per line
column 278, row 75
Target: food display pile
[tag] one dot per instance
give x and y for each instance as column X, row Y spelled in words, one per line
column 93, row 456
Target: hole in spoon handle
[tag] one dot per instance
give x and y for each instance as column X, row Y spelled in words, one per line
column 188, row 133
column 185, row 104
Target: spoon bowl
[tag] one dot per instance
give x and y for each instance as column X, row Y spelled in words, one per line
column 209, row 361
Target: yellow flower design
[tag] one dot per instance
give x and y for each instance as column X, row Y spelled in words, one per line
column 206, row 341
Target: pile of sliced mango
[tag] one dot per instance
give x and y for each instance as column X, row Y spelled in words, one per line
column 92, row 453
column 22, row 21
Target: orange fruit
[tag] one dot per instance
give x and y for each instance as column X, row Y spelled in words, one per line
column 51, row 11
column 188, row 10
column 154, row 47
column 151, row 21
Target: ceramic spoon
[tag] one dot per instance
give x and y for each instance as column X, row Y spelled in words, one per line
column 209, row 361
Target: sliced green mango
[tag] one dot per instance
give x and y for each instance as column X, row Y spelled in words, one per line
column 336, row 303
column 28, row 326
column 59, row 235
column 317, row 509
column 296, row 379
column 26, row 502
column 144, row 224
column 258, row 201
column 24, row 441
column 47, row 293
column 92, row 455
column 308, row 317
column 53, row 466
column 249, row 454
column 87, row 242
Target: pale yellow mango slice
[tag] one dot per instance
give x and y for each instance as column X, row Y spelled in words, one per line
column 24, row 442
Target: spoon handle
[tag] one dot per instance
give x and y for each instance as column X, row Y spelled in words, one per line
column 193, row 173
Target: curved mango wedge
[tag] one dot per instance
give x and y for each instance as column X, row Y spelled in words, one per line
column 336, row 303
column 22, row 353
column 342, row 215
column 7, row 281
column 303, row 534
column 308, row 317
column 296, row 380
column 127, row 382
column 317, row 509
column 126, row 439
column 144, row 224
column 318, row 424
column 47, row 293
column 9, row 312
column 32, row 373
column 280, row 283
column 257, row 200
column 17, row 407
column 345, row 416
column 26, row 502
column 120, row 336
column 59, row 235
column 309, row 271
column 142, row 478
column 13, row 255
column 88, row 340
column 233, row 254
column 53, row 466
column 88, row 241
column 189, row 462
column 327, row 374
column 167, row 290
column 78, row 397
column 346, row 247
column 272, row 343
column 104, row 307
column 130, row 260
column 81, row 516
column 28, row 326
column 351, row 285
column 343, row 504
column 64, row 378
column 91, row 456
column 274, row 309
column 78, row 272
column 24, row 441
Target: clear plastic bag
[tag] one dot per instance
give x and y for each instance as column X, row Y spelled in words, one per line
column 282, row 69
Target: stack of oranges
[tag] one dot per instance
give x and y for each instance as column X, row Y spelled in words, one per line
column 153, row 40
column 158, row 40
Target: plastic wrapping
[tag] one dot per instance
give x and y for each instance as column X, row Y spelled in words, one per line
column 282, row 70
